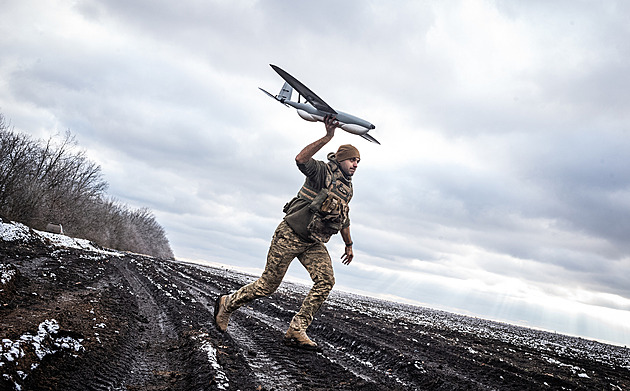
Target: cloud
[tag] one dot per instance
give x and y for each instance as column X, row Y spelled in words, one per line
column 503, row 130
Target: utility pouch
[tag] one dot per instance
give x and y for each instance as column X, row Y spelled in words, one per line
column 316, row 204
column 321, row 228
column 288, row 205
column 328, row 220
column 330, row 204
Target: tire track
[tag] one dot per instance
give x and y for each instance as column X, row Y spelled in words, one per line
column 147, row 353
column 146, row 324
column 266, row 360
column 257, row 333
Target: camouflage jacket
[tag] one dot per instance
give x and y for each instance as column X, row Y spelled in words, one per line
column 320, row 208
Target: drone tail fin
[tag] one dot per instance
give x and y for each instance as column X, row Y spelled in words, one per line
column 285, row 93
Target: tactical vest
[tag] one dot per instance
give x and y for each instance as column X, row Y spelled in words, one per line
column 323, row 211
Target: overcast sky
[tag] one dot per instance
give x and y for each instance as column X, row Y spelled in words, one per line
column 502, row 185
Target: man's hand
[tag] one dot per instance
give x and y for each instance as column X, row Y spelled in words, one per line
column 331, row 124
column 310, row 150
column 346, row 258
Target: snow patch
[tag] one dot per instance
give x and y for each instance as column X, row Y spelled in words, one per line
column 220, row 378
column 60, row 240
column 44, row 343
column 575, row 369
column 12, row 231
column 6, row 273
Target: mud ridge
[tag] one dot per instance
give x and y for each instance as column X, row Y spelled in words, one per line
column 93, row 319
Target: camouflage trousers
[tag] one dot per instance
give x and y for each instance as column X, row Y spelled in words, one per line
column 285, row 246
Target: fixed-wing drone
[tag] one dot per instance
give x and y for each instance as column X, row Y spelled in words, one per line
column 316, row 109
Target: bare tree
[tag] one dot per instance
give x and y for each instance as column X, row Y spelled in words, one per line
column 17, row 188
column 44, row 182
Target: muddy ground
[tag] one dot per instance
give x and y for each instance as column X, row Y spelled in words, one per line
column 73, row 319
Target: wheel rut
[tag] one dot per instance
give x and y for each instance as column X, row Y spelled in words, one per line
column 141, row 323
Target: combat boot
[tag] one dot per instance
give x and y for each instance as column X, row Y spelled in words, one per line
column 296, row 337
column 221, row 314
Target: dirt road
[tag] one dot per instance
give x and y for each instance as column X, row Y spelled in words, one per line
column 91, row 319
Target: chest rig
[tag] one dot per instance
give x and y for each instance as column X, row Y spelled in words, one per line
column 328, row 205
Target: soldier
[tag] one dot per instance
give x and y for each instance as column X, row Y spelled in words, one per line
column 319, row 211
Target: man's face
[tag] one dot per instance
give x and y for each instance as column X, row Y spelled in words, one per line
column 349, row 166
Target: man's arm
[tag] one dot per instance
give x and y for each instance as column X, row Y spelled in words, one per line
column 347, row 256
column 310, row 150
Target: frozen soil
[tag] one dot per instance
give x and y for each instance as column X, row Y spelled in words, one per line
column 90, row 319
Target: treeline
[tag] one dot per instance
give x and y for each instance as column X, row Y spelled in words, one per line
column 44, row 182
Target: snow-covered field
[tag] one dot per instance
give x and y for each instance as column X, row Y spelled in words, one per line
column 76, row 316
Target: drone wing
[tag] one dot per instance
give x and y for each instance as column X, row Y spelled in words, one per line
column 303, row 90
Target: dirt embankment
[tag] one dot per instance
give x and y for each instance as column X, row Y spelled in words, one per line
column 73, row 319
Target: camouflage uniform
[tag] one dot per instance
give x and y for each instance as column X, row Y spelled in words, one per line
column 286, row 246
column 302, row 235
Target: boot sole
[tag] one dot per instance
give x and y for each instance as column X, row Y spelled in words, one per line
column 293, row 343
column 216, row 311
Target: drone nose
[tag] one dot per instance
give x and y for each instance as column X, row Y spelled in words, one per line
column 373, row 127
